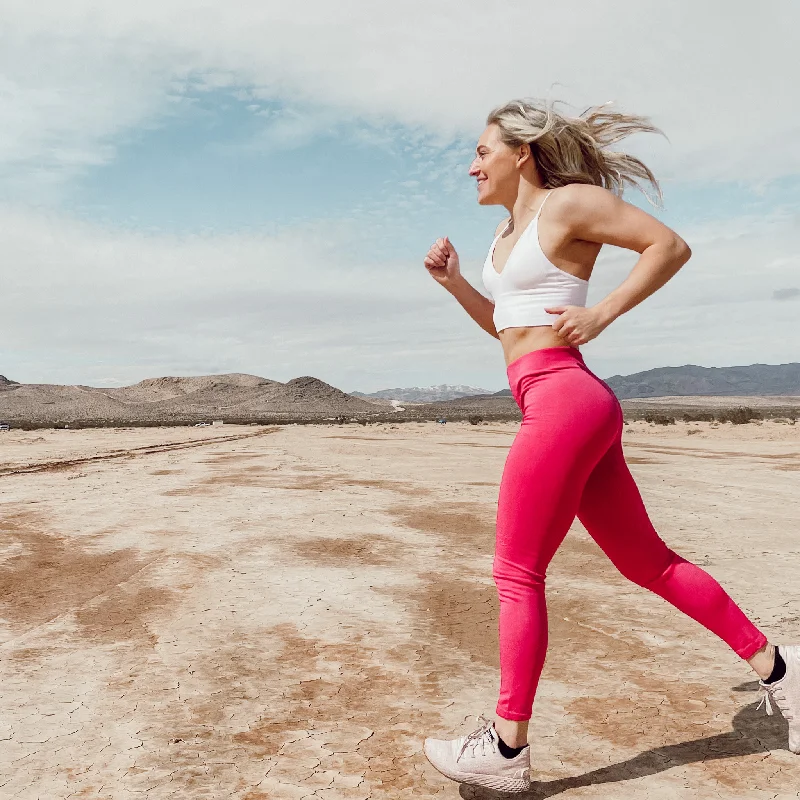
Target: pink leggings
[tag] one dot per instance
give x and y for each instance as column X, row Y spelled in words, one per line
column 567, row 460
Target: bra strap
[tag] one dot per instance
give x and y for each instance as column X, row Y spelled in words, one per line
column 546, row 198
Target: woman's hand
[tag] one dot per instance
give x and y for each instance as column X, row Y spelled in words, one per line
column 442, row 262
column 578, row 325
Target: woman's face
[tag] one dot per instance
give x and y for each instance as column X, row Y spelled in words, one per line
column 496, row 169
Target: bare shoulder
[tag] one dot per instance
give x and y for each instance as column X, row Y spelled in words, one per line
column 502, row 226
column 595, row 214
column 582, row 198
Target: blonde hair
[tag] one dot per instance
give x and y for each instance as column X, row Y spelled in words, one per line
column 575, row 149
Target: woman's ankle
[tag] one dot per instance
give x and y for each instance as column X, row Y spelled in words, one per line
column 763, row 662
column 513, row 732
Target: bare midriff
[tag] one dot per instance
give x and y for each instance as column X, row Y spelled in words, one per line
column 517, row 342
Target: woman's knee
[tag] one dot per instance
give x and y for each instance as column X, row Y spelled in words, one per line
column 649, row 573
column 514, row 580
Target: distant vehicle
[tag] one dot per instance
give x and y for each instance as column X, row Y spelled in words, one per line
column 442, row 421
column 202, row 425
column 4, row 426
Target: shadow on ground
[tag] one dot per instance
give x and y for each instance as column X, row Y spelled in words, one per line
column 752, row 733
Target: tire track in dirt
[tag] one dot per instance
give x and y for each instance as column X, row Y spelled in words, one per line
column 53, row 466
column 697, row 452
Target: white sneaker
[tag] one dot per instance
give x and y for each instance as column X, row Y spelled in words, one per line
column 476, row 759
column 785, row 693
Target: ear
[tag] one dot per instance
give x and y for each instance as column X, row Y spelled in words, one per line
column 523, row 154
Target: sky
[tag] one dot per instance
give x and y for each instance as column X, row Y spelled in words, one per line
column 205, row 187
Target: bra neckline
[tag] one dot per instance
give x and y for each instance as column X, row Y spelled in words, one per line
column 489, row 264
column 514, row 247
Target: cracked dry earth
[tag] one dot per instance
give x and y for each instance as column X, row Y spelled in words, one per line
column 261, row 613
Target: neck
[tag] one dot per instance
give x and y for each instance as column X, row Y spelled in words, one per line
column 529, row 197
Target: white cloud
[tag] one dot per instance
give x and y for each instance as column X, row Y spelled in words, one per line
column 100, row 306
column 64, row 104
column 718, row 76
column 88, row 304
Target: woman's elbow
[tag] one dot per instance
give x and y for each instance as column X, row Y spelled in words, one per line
column 673, row 252
column 681, row 251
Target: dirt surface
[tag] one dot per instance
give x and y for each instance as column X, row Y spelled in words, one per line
column 259, row 613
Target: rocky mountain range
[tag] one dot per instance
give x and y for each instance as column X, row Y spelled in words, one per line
column 427, row 394
column 233, row 397
column 755, row 380
column 241, row 398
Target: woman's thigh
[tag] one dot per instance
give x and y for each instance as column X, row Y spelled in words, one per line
column 543, row 481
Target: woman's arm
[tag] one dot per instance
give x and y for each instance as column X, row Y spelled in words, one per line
column 593, row 214
column 443, row 266
column 480, row 308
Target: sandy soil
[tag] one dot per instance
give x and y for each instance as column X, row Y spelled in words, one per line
column 259, row 613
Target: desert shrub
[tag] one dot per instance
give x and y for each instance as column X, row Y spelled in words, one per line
column 740, row 415
column 698, row 416
column 659, row 419
column 475, row 420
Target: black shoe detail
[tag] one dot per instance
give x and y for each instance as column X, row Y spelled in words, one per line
column 506, row 751
column 779, row 670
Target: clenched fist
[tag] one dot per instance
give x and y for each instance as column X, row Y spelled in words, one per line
column 442, row 261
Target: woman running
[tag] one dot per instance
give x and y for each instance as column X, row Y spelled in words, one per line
column 561, row 187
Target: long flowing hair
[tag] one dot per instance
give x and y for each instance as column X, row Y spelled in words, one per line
column 576, row 149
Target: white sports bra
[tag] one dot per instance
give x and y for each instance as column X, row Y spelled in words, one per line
column 529, row 282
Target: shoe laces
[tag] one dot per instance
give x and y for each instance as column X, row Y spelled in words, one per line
column 482, row 736
column 773, row 694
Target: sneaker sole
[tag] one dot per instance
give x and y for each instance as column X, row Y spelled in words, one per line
column 497, row 782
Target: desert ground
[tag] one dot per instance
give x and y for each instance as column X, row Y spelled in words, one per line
column 261, row 612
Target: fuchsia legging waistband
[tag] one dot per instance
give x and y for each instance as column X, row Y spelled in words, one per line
column 567, row 461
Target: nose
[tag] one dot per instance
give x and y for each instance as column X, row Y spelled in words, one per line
column 473, row 169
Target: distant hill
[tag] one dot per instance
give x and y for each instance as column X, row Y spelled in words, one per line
column 428, row 394
column 755, row 380
column 237, row 397
column 229, row 397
